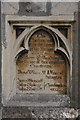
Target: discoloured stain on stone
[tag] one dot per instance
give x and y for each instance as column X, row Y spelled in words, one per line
column 35, row 8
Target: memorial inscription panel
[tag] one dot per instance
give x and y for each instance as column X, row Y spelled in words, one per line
column 41, row 70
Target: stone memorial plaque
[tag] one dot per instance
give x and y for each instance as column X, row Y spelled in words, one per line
column 41, row 70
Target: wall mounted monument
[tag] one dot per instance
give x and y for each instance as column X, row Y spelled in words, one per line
column 40, row 60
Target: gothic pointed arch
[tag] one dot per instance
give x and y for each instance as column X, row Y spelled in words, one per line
column 56, row 34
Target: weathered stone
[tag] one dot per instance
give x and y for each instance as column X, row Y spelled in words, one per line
column 40, row 113
column 29, row 18
column 10, row 7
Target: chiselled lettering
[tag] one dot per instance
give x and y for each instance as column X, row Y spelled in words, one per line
column 41, row 70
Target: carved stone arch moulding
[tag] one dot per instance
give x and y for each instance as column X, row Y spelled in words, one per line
column 56, row 34
column 61, row 45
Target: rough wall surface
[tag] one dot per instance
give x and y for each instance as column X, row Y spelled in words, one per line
column 39, row 9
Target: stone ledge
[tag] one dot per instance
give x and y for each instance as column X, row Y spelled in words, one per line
column 36, row 100
column 39, row 106
column 56, row 18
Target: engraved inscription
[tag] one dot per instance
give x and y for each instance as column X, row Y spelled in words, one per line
column 41, row 70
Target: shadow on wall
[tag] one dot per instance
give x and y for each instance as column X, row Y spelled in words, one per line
column 35, row 8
